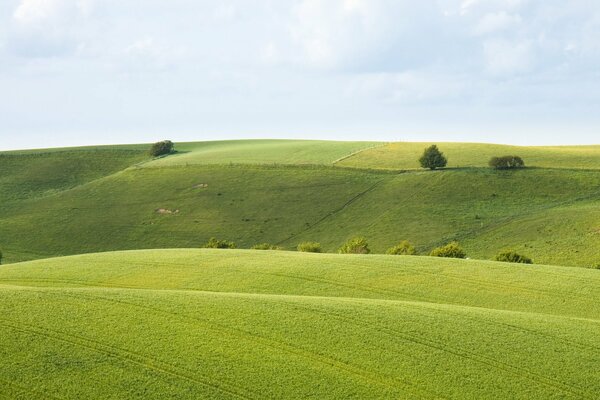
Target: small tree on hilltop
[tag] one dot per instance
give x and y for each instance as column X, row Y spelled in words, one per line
column 433, row 158
column 356, row 245
column 451, row 250
column 162, row 148
column 404, row 248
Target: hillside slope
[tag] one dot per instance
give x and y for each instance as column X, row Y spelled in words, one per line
column 251, row 324
column 90, row 200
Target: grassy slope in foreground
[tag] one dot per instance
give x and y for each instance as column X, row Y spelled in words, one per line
column 406, row 155
column 241, row 324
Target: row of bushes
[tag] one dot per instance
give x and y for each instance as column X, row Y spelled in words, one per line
column 359, row 245
column 433, row 158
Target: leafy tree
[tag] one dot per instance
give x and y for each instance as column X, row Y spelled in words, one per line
column 266, row 246
column 513, row 257
column 357, row 245
column 403, row 248
column 213, row 243
column 309, row 247
column 162, row 148
column 451, row 250
column 506, row 162
column 433, row 158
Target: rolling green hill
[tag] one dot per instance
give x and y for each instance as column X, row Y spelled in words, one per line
column 73, row 201
column 404, row 155
column 251, row 324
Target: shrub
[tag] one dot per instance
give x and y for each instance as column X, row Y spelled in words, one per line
column 404, row 248
column 433, row 158
column 213, row 243
column 310, row 247
column 506, row 162
column 451, row 250
column 161, row 148
column 512, row 257
column 357, row 245
column 266, row 246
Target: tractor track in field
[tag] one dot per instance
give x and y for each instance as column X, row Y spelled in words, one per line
column 465, row 354
column 277, row 345
column 119, row 353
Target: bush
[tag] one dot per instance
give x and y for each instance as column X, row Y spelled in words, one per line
column 506, row 162
column 213, row 243
column 161, row 148
column 451, row 250
column 310, row 247
column 404, row 248
column 433, row 158
column 512, row 257
column 266, row 246
column 356, row 245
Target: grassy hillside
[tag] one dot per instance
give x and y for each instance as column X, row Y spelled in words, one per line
column 115, row 198
column 406, row 155
column 261, row 152
column 231, row 324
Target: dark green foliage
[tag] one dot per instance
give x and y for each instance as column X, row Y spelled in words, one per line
column 161, row 148
column 433, row 158
column 451, row 250
column 506, row 162
column 213, row 243
column 403, row 248
column 357, row 245
column 310, row 247
column 512, row 257
column 266, row 246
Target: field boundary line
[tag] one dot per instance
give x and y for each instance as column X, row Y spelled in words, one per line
column 360, row 151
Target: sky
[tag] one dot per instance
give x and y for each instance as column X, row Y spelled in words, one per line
column 77, row 72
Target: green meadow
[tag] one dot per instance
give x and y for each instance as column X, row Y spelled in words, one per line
column 57, row 203
column 261, row 324
column 106, row 294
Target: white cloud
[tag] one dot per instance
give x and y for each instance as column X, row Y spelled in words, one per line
column 495, row 22
column 505, row 58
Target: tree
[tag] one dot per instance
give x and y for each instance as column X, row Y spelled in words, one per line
column 404, row 248
column 213, row 243
column 506, row 162
column 162, row 148
column 451, row 250
column 513, row 257
column 357, row 245
column 433, row 158
column 310, row 247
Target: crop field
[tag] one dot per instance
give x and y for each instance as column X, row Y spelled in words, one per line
column 402, row 156
column 261, row 324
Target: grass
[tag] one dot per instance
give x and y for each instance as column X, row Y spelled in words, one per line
column 262, row 324
column 261, row 152
column 404, row 156
column 71, row 201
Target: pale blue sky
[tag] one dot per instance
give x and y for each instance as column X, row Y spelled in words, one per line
column 76, row 72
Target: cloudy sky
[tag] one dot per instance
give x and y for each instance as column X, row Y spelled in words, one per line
column 119, row 71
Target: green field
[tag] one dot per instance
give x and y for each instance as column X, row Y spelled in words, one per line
column 404, row 156
column 115, row 198
column 251, row 324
